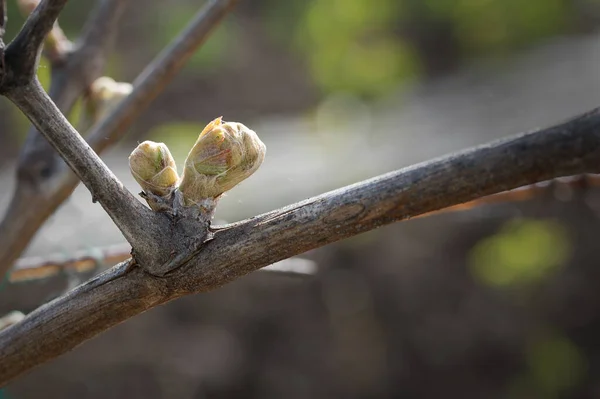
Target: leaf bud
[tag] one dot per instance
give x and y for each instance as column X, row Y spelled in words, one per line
column 153, row 167
column 104, row 94
column 225, row 154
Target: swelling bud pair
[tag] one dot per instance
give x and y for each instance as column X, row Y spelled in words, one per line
column 224, row 155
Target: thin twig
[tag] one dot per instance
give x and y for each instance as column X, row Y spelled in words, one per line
column 30, row 205
column 3, row 19
column 37, row 268
column 150, row 83
column 570, row 148
column 84, row 261
column 123, row 208
column 24, row 51
column 56, row 45
column 72, row 72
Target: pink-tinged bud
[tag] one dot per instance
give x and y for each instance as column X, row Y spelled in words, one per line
column 225, row 154
column 154, row 168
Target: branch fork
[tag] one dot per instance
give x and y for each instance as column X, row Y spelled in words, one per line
column 176, row 253
column 44, row 181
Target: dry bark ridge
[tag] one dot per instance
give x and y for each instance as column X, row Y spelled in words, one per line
column 169, row 261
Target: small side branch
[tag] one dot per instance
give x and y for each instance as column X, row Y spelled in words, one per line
column 128, row 214
column 24, row 51
column 38, row 268
column 21, row 222
column 100, row 30
column 152, row 80
column 72, row 72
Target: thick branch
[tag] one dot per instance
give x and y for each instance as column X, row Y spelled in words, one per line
column 101, row 310
column 24, row 51
column 568, row 149
column 126, row 212
column 37, row 195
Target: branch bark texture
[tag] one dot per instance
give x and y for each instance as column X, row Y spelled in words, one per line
column 237, row 249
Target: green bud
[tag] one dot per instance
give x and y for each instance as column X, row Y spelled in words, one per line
column 104, row 94
column 225, row 154
column 153, row 167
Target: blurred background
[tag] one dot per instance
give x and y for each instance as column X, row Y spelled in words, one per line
column 496, row 302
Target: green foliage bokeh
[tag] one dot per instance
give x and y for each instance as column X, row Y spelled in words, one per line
column 522, row 252
column 213, row 53
column 349, row 46
column 365, row 48
column 368, row 47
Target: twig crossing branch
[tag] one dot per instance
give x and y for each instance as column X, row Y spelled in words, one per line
column 175, row 255
column 570, row 148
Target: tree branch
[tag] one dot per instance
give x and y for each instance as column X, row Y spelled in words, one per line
column 37, row 268
column 136, row 222
column 32, row 205
column 136, row 293
column 24, row 51
column 159, row 73
column 85, row 261
column 567, row 149
column 72, row 73
column 36, row 196
column 101, row 30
